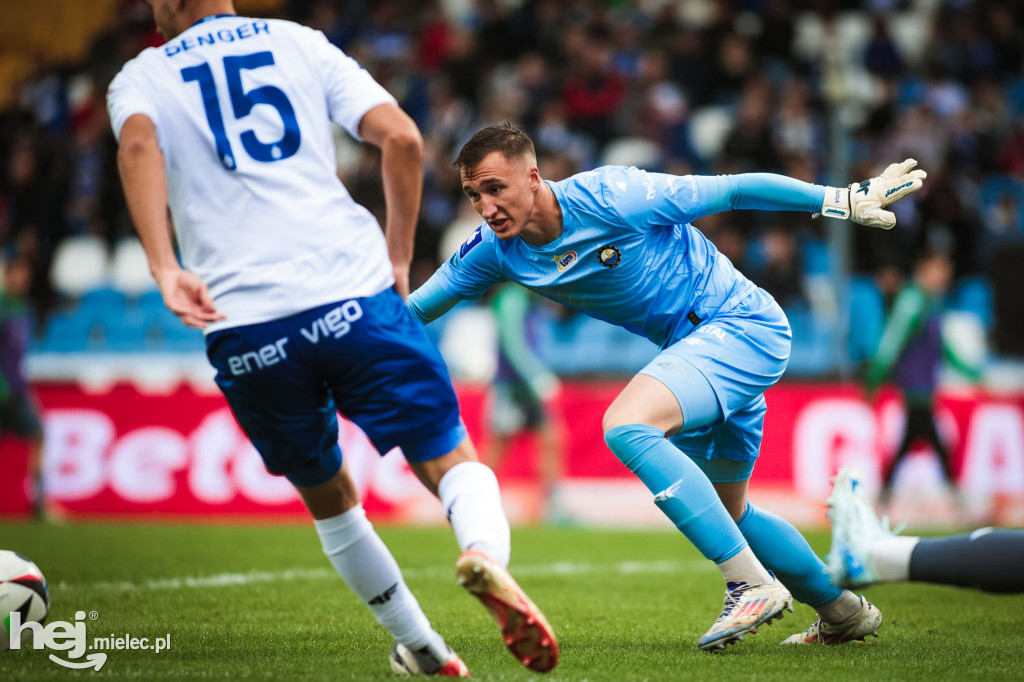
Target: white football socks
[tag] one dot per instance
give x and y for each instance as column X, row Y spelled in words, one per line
column 471, row 499
column 743, row 567
column 367, row 567
column 891, row 557
column 839, row 609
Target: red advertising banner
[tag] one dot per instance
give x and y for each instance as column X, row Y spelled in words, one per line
column 181, row 455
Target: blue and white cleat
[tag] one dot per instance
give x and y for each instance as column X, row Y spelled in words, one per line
column 746, row 608
column 855, row 530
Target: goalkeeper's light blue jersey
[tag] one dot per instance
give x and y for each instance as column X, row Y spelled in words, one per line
column 627, row 253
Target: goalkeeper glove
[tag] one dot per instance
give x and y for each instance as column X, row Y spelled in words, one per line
column 863, row 202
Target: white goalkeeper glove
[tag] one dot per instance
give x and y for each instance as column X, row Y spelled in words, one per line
column 863, row 202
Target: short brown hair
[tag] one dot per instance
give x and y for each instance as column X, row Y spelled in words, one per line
column 505, row 138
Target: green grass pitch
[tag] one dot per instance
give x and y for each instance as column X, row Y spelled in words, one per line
column 262, row 603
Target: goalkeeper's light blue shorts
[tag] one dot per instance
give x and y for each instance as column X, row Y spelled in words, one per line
column 367, row 358
column 719, row 373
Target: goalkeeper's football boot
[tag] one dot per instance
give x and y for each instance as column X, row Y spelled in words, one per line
column 405, row 661
column 855, row 530
column 746, row 608
column 858, row 626
column 524, row 628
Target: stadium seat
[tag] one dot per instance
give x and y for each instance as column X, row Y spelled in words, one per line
column 165, row 332
column 69, row 332
column 974, row 295
column 867, row 318
column 813, row 351
column 709, row 126
column 79, row 265
column 101, row 302
column 126, row 332
column 631, row 151
column 129, row 268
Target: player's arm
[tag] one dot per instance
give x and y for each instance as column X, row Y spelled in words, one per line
column 431, row 301
column 471, row 271
column 907, row 312
column 861, row 202
column 401, row 145
column 141, row 165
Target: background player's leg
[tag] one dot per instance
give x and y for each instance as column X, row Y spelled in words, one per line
column 366, row 565
column 988, row 559
column 864, row 550
column 910, row 434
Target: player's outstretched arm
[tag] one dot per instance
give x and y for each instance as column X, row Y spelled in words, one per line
column 401, row 145
column 864, row 202
column 431, row 301
column 141, row 165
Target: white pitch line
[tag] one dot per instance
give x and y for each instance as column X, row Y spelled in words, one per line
column 253, row 577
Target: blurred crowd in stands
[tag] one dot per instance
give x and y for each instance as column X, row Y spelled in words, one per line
column 825, row 91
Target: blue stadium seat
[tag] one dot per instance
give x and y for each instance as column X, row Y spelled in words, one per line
column 813, row 351
column 167, row 333
column 67, row 332
column 126, row 332
column 102, row 300
column 867, row 318
column 974, row 294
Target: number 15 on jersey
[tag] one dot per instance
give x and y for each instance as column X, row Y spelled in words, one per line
column 242, row 103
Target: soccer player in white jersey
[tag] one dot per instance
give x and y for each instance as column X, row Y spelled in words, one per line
column 228, row 124
column 616, row 243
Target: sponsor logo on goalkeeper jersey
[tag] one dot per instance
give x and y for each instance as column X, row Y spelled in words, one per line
column 566, row 260
column 897, row 189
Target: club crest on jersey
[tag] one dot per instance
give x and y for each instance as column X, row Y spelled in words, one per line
column 473, row 240
column 609, row 255
column 566, row 260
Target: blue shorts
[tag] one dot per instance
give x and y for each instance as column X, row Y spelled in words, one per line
column 719, row 373
column 367, row 358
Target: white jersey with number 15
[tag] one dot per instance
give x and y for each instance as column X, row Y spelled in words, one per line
column 242, row 109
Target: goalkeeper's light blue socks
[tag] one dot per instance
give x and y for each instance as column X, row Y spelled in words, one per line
column 784, row 551
column 685, row 495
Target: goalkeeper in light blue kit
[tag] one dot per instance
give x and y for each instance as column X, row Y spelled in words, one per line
column 616, row 243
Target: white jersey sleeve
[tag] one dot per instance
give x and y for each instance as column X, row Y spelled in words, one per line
column 243, row 110
column 351, row 91
column 128, row 95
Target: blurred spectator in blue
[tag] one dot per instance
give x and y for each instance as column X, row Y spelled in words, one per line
column 881, row 55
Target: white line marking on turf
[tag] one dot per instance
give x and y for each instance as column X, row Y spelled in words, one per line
column 252, row 577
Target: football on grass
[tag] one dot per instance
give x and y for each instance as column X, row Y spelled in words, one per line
column 22, row 590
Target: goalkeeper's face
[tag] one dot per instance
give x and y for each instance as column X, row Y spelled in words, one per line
column 503, row 191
